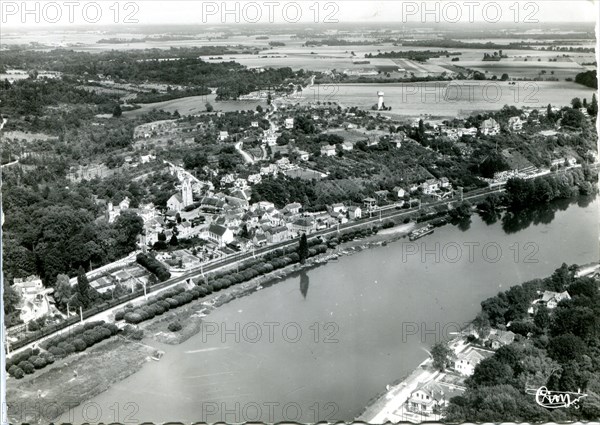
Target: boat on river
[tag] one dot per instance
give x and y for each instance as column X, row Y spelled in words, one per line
column 419, row 233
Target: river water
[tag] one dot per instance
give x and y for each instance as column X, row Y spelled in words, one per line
column 320, row 344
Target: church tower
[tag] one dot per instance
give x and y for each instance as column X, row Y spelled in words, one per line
column 186, row 193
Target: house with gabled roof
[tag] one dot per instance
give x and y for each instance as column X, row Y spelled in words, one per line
column 467, row 360
column 426, row 399
column 220, row 235
column 499, row 338
column 277, row 234
column 303, row 225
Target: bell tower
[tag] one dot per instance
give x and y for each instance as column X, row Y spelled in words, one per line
column 186, row 193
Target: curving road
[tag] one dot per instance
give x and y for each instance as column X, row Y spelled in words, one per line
column 247, row 157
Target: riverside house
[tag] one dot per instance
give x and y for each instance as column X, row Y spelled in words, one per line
column 219, row 235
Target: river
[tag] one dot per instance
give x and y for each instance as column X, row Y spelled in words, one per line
column 319, row 345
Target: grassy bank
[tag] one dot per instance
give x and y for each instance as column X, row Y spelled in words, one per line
column 48, row 394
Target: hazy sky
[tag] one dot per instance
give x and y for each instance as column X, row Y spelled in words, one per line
column 57, row 13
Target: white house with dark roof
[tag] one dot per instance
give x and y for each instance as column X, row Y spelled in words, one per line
column 220, row 235
column 426, row 399
column 467, row 360
column 499, row 338
column 293, row 208
column 223, row 135
column 303, row 225
column 549, row 299
column 328, row 150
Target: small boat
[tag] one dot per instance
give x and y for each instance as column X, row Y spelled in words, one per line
column 419, row 233
column 158, row 355
column 258, row 288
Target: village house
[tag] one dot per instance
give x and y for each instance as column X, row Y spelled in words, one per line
column 399, row 192
column 260, row 239
column 338, row 208
column 35, row 299
column 113, row 212
column 303, row 155
column 427, row 399
column 283, row 163
column 470, row 131
column 223, row 135
column 227, row 179
column 515, row 124
column 244, row 194
column 240, row 183
column 270, row 169
column 254, row 178
column 444, row 183
column 430, row 186
column 293, row 208
column 370, row 203
column 289, row 123
column 277, row 234
column 303, row 225
column 262, row 205
column 549, row 299
column 212, row 204
column 220, row 235
column 347, row 146
column 490, row 127
column 328, row 150
column 147, row 158
column 354, row 212
column 270, row 138
column 254, row 124
column 237, row 201
column 467, row 360
column 499, row 338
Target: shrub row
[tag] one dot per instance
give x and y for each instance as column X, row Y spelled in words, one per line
column 178, row 296
column 153, row 266
column 60, row 346
column 161, row 303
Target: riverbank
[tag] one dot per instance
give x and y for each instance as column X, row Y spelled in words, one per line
column 191, row 316
column 119, row 358
column 50, row 393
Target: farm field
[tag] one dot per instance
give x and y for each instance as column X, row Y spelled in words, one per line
column 449, row 99
column 194, row 105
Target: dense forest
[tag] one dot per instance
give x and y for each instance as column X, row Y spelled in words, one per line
column 558, row 348
column 588, row 79
column 417, row 55
column 176, row 67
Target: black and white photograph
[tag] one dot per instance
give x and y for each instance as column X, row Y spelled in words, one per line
column 299, row 211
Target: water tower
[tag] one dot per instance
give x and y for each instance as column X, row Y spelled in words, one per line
column 379, row 100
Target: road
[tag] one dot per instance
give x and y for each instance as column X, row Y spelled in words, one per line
column 247, row 157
